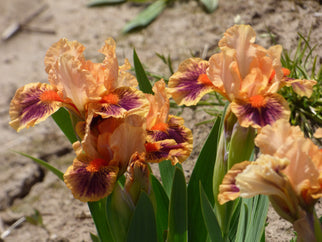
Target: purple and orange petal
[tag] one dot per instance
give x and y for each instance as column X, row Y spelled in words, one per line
column 91, row 181
column 301, row 87
column 228, row 189
column 32, row 104
column 190, row 83
column 172, row 141
column 259, row 110
column 122, row 101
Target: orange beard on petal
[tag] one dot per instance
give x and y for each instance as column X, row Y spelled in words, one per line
column 152, row 147
column 96, row 164
column 49, row 96
column 111, row 98
column 257, row 101
column 160, row 127
column 203, row 78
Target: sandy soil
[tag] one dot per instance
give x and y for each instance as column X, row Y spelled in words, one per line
column 182, row 29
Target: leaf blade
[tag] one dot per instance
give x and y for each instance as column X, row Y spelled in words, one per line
column 145, row 17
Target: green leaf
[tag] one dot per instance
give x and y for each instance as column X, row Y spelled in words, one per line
column 143, row 225
column 210, row 5
column 63, row 120
column 202, row 172
column 252, row 218
column 96, row 3
column 45, row 164
column 146, row 16
column 167, row 172
column 119, row 209
column 209, row 217
column 94, row 237
column 178, row 226
column 144, row 83
column 162, row 202
column 98, row 212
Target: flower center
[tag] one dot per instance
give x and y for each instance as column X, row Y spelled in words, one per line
column 49, row 96
column 257, row 101
column 111, row 98
column 96, row 164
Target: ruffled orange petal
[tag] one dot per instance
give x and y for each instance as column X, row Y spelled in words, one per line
column 190, row 83
column 240, row 38
column 63, row 47
column 110, row 64
column 272, row 138
column 32, row 104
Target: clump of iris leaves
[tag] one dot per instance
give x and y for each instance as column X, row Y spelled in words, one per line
column 153, row 10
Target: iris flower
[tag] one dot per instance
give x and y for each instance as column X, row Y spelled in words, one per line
column 167, row 137
column 244, row 73
column 104, row 156
column 78, row 85
column 289, row 171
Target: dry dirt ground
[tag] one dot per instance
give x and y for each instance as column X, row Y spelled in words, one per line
column 181, row 30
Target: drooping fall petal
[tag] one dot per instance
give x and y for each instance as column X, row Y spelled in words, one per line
column 190, row 83
column 301, row 87
column 171, row 141
column 120, row 102
column 259, row 110
column 91, row 181
column 32, row 104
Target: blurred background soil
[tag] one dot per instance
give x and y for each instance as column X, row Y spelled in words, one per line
column 182, row 30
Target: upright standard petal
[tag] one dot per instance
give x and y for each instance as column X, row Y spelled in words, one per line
column 32, row 104
column 72, row 81
column 159, row 106
column 190, row 83
column 63, row 47
column 110, row 64
column 240, row 38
